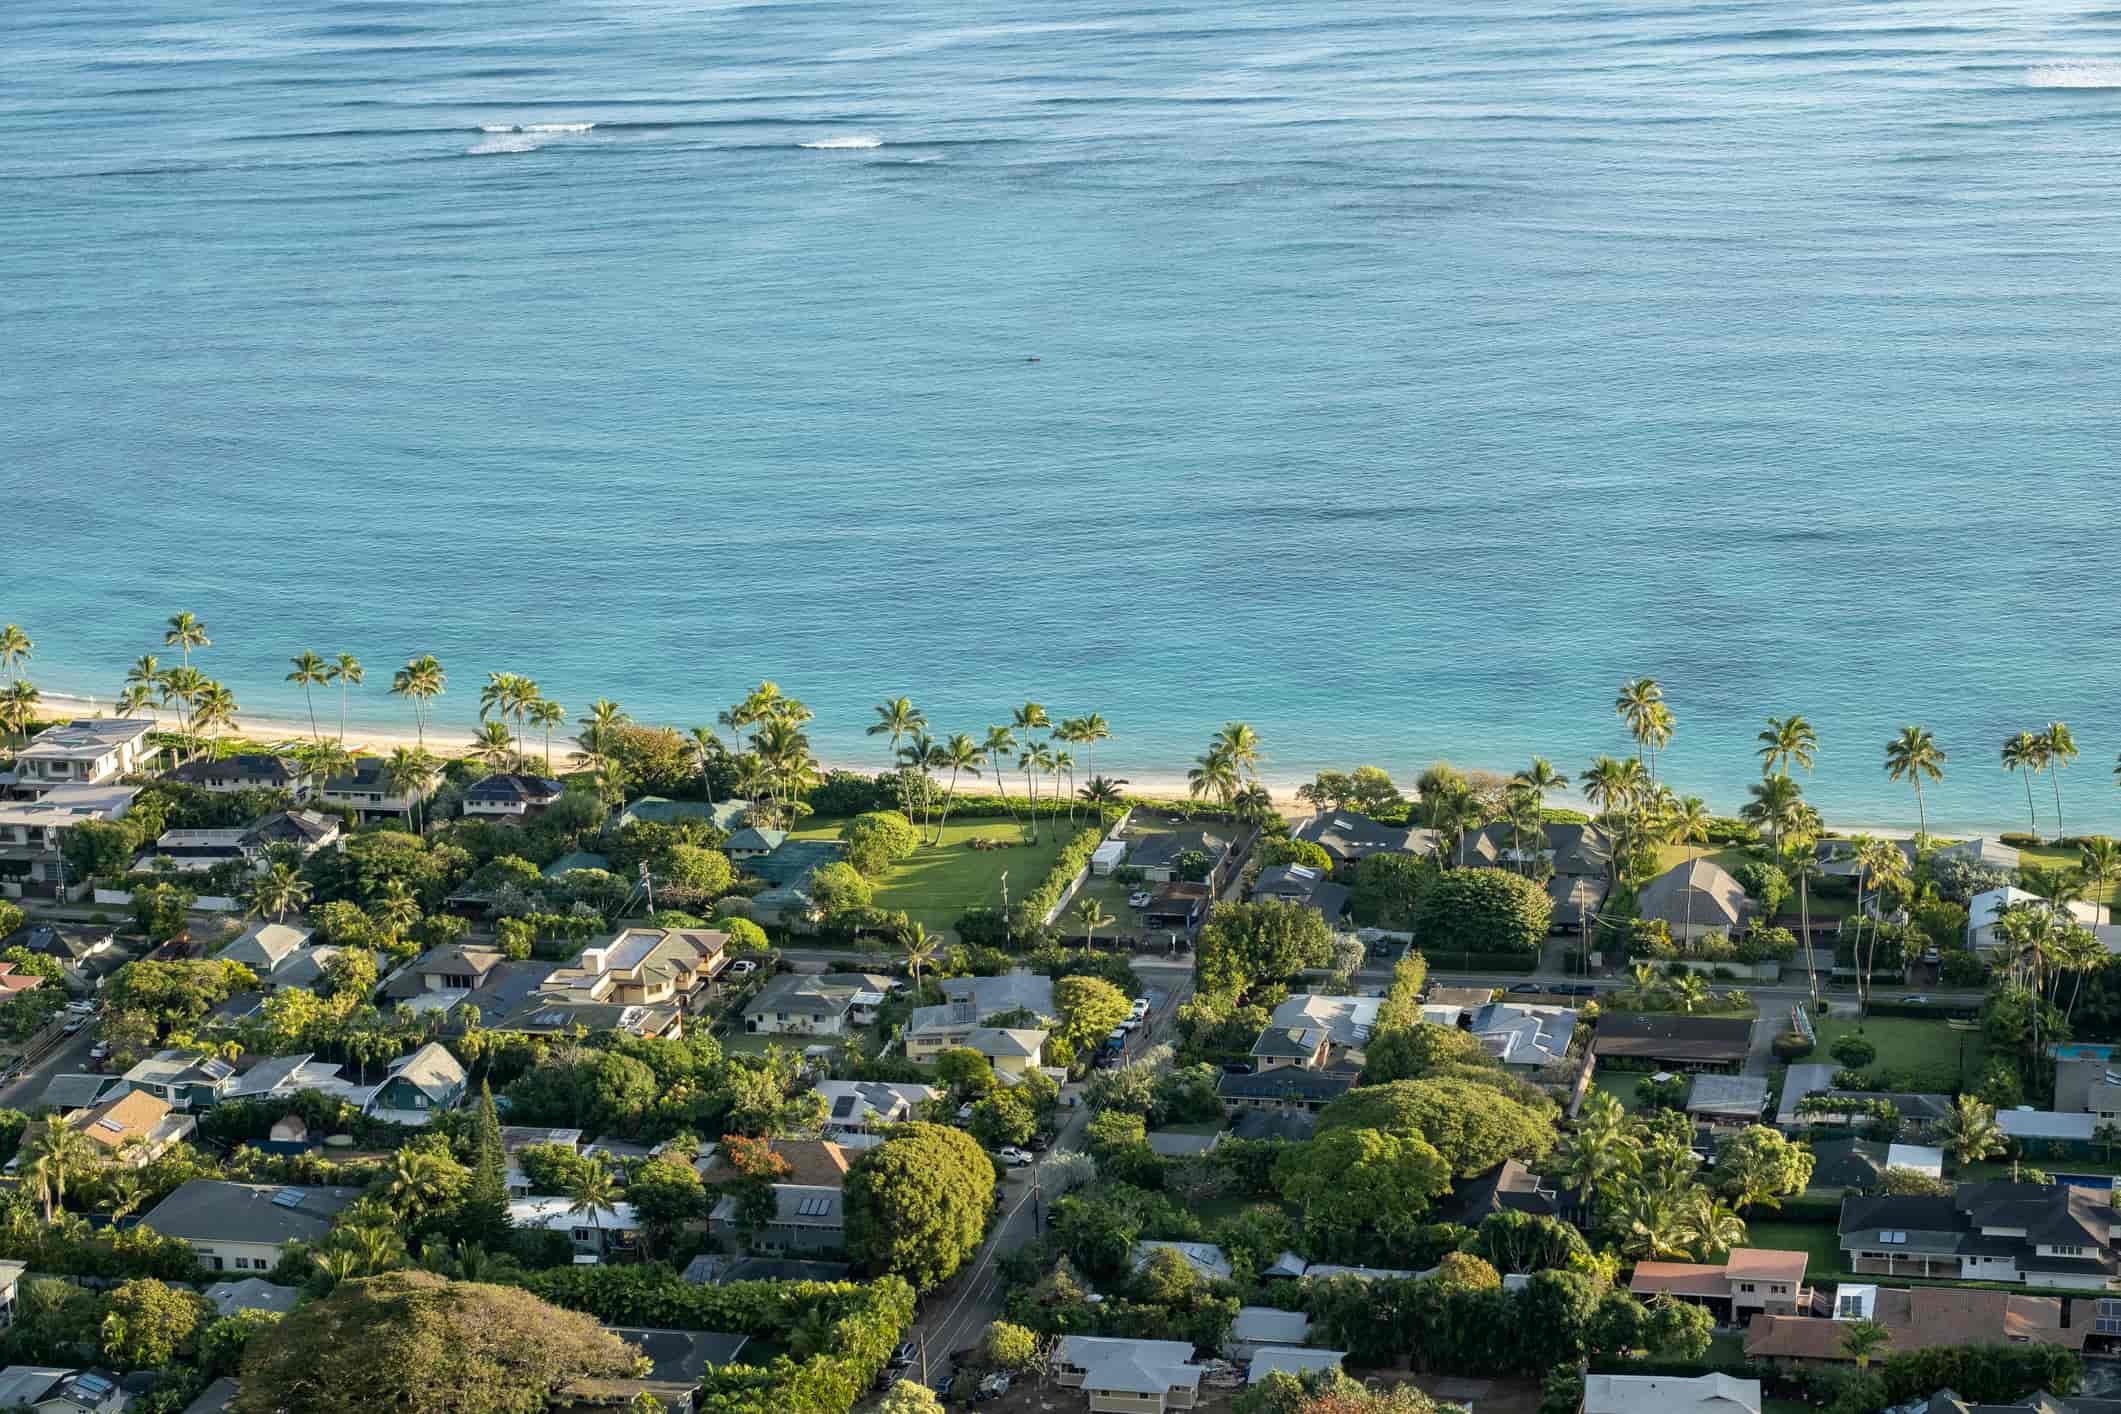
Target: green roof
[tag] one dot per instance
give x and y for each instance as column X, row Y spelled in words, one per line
column 579, row 859
column 723, row 814
column 793, row 859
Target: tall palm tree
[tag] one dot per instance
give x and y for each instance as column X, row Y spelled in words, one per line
column 1541, row 777
column 604, row 714
column 897, row 718
column 346, row 671
column 1036, row 759
column 216, row 707
column 961, row 754
column 1776, row 804
column 1241, row 744
column 2100, row 857
column 1598, row 1151
column 1689, row 993
column 1090, row 916
column 310, row 671
column 709, row 746
column 1454, row 811
column 1090, row 730
column 394, row 909
column 1970, row 1131
column 182, row 687
column 2023, row 753
column 1000, row 746
column 1880, row 866
column 1064, row 766
column 186, row 633
column 279, row 892
column 494, row 745
column 1687, row 823
column 919, row 949
column 548, row 714
column 145, row 674
column 1102, row 793
column 420, row 681
column 411, row 773
column 1860, row 1340
column 1213, row 774
column 134, row 699
column 61, row 1154
column 1801, row 862
column 1710, row 1226
column 785, row 748
column 1785, row 741
column 18, row 706
column 15, row 646
column 2057, row 748
column 1609, row 785
column 1637, row 705
column 591, row 1193
column 1911, row 756
column 914, row 760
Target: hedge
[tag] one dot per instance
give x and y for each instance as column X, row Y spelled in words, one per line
column 1928, row 1011
column 1481, row 961
column 864, row 1321
column 1072, row 860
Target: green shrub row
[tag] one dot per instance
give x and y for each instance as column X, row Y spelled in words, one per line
column 1928, row 1011
column 1481, row 961
column 861, row 1323
column 1073, row 858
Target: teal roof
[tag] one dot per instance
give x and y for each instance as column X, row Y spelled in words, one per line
column 579, row 859
column 723, row 814
column 792, row 860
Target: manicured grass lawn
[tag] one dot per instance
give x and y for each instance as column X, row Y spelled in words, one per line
column 1818, row 1241
column 1922, row 1055
column 2049, row 857
column 939, row 882
column 1621, row 1086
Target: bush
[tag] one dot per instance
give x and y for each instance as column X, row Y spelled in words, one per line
column 1846, row 1079
column 1074, row 857
column 1764, row 884
column 1482, row 910
column 878, row 839
column 1853, row 1050
column 1789, row 1046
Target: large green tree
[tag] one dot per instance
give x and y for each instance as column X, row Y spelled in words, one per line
column 1482, row 910
column 1358, row 1187
column 150, row 1323
column 411, row 1340
column 918, row 1202
column 1269, row 941
column 1473, row 1126
column 1089, row 1008
column 1758, row 1165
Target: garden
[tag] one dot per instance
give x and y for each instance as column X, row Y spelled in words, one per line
column 936, row 883
column 1927, row 1057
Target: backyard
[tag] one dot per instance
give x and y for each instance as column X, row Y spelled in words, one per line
column 939, row 882
column 1924, row 1056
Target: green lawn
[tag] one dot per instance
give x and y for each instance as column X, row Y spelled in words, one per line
column 939, row 882
column 2051, row 857
column 1920, row 1055
column 1818, row 1241
column 1620, row 1084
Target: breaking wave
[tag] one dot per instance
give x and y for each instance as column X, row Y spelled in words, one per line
column 850, row 141
column 2074, row 76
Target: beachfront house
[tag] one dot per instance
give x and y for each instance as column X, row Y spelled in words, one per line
column 85, row 752
column 1158, row 855
column 367, row 790
column 507, row 796
column 246, row 770
column 1304, row 886
column 1694, row 899
column 32, row 864
column 1349, row 838
column 753, row 842
column 1984, row 914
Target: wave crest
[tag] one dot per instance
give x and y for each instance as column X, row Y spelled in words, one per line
column 535, row 127
column 847, row 142
column 2075, row 76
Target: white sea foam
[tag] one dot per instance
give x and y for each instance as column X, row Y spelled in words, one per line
column 851, row 140
column 2075, row 76
column 503, row 144
column 497, row 127
column 535, row 127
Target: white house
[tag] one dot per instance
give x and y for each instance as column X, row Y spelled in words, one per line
column 243, row 1226
column 594, row 1235
column 85, row 752
column 1670, row 1394
column 1128, row 1376
column 1983, row 911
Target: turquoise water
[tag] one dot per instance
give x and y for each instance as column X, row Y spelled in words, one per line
column 1407, row 376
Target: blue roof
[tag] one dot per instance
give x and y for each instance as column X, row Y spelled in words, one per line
column 723, row 814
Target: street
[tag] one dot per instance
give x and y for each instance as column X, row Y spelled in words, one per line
column 69, row 1056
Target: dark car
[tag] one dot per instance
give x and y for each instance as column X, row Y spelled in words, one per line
column 1576, row 989
column 944, row 1385
column 1037, row 1143
column 904, row 1355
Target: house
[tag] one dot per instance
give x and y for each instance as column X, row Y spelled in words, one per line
column 795, row 1005
column 246, row 771
column 805, row 1218
column 1670, row 1394
column 595, row 1234
column 84, row 951
column 1922, row 1317
column 2087, row 1078
column 1157, row 855
column 1575, row 861
column 10, row 1279
column 31, row 863
column 1013, row 1051
column 1177, row 908
column 1727, row 1099
column 218, row 1397
column 277, row 1077
column 277, row 952
column 80, row 1090
column 1260, row 1326
column 2045, row 1235
column 13, row 984
column 84, row 752
column 1289, row 1126
column 1525, row 1036
column 1749, row 1281
column 1348, row 838
column 714, row 1269
column 1304, row 886
column 1985, row 910
column 1018, row 989
column 648, row 967
column 1345, row 1020
column 1841, row 1166
column 242, row 1226
column 680, row 1356
column 1982, row 850
column 419, row 1087
column 871, row 1106
column 195, row 851
column 560, row 1011
column 367, row 790
column 1507, row 1187
column 252, row 1294
column 133, row 1129
column 517, row 1137
column 576, row 859
column 1128, row 1376
column 452, row 968
column 1287, row 1087
column 306, row 831
column 1288, row 1360
column 50, row 1390
column 753, row 842
column 184, row 1080
column 1674, row 1040
column 508, row 796
column 1279, row 1046
column 1694, row 899
column 1208, row 1261
column 1181, row 1144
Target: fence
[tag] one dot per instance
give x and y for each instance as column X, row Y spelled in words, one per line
column 204, row 903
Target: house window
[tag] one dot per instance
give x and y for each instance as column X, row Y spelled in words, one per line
column 1745, row 1286
column 2064, row 1250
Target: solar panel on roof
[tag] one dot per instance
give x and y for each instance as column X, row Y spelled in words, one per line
column 288, row 1198
column 110, row 1124
column 843, row 1106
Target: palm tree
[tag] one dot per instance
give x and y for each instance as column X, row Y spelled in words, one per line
column 346, row 671
column 1036, row 759
column 1241, row 744
column 1063, row 764
column 182, row 687
column 2023, row 753
column 1690, row 993
column 507, row 695
column 134, row 699
column 709, row 747
column 1102, row 793
column 420, row 681
column 1609, row 786
column 914, row 760
column 394, row 909
column 2057, row 749
column 1710, row 1226
column 1213, row 774
column 145, row 674
column 1637, row 705
column 919, row 950
column 548, row 714
column 216, row 707
column 1801, row 863
column 1091, row 730
column 897, row 718
column 1454, row 811
column 15, row 646
column 1541, row 777
column 61, row 1153
column 1777, row 803
column 1598, row 1151
column 326, row 759
column 2100, row 858
column 604, row 714
column 18, row 706
column 411, row 773
column 1879, row 866
column 1911, row 756
column 280, row 891
column 1643, row 985
column 1646, row 1227
column 591, row 1193
column 186, row 633
column 310, row 670
column 1000, row 745
column 1970, row 1131
column 1860, row 1340
column 1090, row 916
column 494, row 745
column 417, row 1184
column 1786, row 740
column 960, row 754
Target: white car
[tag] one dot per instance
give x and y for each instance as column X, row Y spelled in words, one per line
column 1138, row 900
column 99, row 1051
column 1016, row 1158
column 1141, row 1006
column 742, row 968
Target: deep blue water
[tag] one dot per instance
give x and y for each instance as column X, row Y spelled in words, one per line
column 1408, row 375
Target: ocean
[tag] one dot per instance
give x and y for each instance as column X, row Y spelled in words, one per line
column 1398, row 379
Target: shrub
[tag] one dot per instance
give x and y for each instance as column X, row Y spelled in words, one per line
column 1482, row 910
column 878, row 839
column 1853, row 1050
column 1789, row 1046
column 1847, row 1079
column 1764, row 884
column 838, row 886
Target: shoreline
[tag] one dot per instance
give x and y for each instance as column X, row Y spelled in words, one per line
column 451, row 742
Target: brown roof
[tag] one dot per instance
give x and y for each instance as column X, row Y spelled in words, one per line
column 1679, row 1279
column 132, row 1115
column 812, row 1163
column 1764, row 1264
column 1918, row 1318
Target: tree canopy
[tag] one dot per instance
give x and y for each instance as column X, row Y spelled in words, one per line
column 1361, row 1187
column 1482, row 910
column 1473, row 1126
column 917, row 1203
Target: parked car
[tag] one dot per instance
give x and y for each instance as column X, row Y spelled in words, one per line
column 1037, row 1143
column 1931, row 955
column 1138, row 899
column 1576, row 989
column 1141, row 1006
column 742, row 967
column 1132, row 1023
column 75, row 1023
column 1915, row 999
column 994, row 1386
column 1016, row 1158
column 904, row 1355
column 1118, row 1039
column 100, row 1051
column 1237, row 1067
column 944, row 1385
column 1526, row 989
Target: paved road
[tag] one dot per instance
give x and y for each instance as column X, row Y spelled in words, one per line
column 70, row 1055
